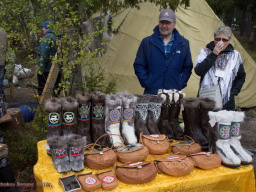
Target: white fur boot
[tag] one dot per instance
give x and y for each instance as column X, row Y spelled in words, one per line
column 235, row 144
column 128, row 131
column 112, row 120
column 223, row 118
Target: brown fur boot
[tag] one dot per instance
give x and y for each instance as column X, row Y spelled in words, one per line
column 84, row 115
column 98, row 117
column 53, row 108
column 154, row 111
column 69, row 110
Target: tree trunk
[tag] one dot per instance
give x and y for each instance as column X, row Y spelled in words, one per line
column 242, row 23
column 248, row 23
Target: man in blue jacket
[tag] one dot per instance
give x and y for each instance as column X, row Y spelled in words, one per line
column 47, row 50
column 163, row 60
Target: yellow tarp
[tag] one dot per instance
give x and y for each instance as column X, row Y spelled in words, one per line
column 197, row 23
column 221, row 179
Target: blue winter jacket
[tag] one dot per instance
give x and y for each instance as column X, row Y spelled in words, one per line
column 47, row 50
column 155, row 70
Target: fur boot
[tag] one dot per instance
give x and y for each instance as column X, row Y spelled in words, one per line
column 164, row 125
column 222, row 127
column 128, row 131
column 206, row 105
column 76, row 144
column 98, row 118
column 53, row 108
column 174, row 112
column 59, row 153
column 112, row 120
column 154, row 112
column 192, row 122
column 69, row 110
column 235, row 144
column 84, row 115
column 141, row 115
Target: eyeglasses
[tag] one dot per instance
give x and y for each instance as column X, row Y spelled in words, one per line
column 220, row 39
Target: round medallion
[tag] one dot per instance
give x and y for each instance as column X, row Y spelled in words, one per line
column 69, row 117
column 108, row 179
column 98, row 111
column 114, row 115
column 224, row 132
column 84, row 111
column 90, row 180
column 54, row 118
column 128, row 114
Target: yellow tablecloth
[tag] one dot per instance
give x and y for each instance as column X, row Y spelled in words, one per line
column 221, row 179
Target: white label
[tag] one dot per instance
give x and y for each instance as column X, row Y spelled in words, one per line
column 155, row 136
column 212, row 122
column 173, row 157
column 47, row 146
column 135, row 164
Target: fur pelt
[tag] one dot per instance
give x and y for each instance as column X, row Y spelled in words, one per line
column 52, row 105
column 83, row 97
column 55, row 142
column 69, row 104
column 77, row 140
column 206, row 103
column 224, row 117
column 190, row 102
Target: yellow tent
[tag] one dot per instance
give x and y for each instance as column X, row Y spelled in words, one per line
column 197, row 23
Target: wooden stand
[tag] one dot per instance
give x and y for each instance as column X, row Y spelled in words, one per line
column 16, row 122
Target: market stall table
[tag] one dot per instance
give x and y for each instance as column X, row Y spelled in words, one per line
column 220, row 179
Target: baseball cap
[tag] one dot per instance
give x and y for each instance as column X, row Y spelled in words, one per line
column 167, row 15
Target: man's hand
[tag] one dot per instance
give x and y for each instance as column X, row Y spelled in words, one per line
column 218, row 47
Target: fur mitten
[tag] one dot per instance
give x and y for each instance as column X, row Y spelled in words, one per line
column 76, row 144
column 84, row 115
column 53, row 108
column 59, row 153
column 69, row 110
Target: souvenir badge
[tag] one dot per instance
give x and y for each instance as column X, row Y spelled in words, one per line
column 68, row 117
column 54, row 118
column 108, row 179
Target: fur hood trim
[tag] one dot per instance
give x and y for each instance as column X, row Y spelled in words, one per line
column 207, row 103
column 52, row 105
column 190, row 102
column 156, row 99
column 83, row 97
column 55, row 142
column 69, row 104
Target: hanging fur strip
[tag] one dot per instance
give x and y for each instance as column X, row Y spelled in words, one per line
column 53, row 108
column 98, row 117
column 84, row 115
column 59, row 153
column 69, row 110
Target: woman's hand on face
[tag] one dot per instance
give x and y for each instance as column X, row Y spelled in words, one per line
column 218, row 47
